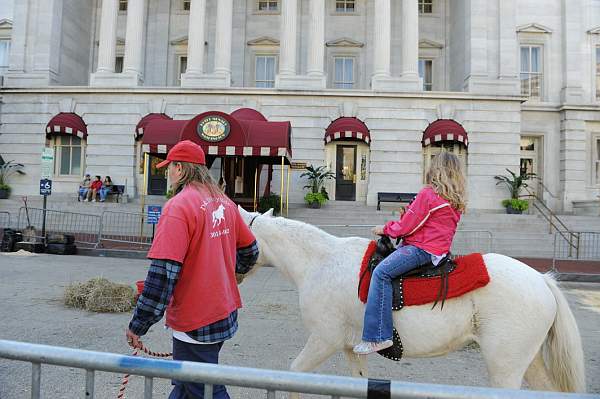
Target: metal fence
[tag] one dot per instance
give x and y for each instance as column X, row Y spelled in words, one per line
column 125, row 229
column 4, row 219
column 576, row 246
column 469, row 241
column 85, row 227
column 269, row 380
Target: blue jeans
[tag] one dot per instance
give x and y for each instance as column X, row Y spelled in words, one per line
column 203, row 353
column 379, row 325
column 83, row 193
column 103, row 192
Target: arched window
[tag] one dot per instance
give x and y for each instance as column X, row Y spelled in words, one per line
column 444, row 135
column 67, row 134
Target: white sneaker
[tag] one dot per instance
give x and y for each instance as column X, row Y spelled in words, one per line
column 85, row 200
column 94, row 200
column 365, row 347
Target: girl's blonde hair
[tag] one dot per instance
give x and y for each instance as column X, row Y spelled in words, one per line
column 198, row 176
column 446, row 178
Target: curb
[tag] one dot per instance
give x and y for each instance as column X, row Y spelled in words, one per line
column 112, row 253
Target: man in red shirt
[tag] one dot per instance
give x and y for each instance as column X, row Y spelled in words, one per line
column 94, row 189
column 201, row 242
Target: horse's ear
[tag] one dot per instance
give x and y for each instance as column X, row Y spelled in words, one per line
column 242, row 211
column 269, row 213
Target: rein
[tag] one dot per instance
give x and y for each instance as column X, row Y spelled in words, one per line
column 252, row 221
column 147, row 351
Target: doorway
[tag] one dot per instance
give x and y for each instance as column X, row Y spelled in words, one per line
column 345, row 173
column 530, row 161
column 157, row 179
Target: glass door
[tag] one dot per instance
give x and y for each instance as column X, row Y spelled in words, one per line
column 345, row 176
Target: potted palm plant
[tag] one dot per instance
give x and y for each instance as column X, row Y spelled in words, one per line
column 316, row 177
column 7, row 170
column 514, row 182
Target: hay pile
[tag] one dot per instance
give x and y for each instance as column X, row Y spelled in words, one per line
column 100, row 295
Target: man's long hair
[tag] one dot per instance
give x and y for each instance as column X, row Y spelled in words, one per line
column 197, row 176
column 445, row 176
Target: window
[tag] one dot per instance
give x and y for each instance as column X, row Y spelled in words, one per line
column 264, row 75
column 596, row 155
column 122, row 5
column 181, row 67
column 186, row 5
column 268, row 5
column 597, row 73
column 119, row 64
column 425, row 6
column 343, row 73
column 68, row 156
column 531, row 71
column 345, row 6
column 425, row 73
column 4, row 52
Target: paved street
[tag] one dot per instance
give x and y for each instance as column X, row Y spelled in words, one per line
column 270, row 335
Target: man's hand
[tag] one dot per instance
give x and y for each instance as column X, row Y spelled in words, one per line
column 377, row 230
column 133, row 340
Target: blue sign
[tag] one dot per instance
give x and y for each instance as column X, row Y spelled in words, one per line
column 154, row 212
column 45, row 187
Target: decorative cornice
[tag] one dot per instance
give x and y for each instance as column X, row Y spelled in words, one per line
column 533, row 28
column 426, row 43
column 344, row 42
column 263, row 41
column 183, row 40
column 594, row 31
column 6, row 23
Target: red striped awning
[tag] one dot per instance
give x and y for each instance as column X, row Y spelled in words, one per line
column 161, row 135
column 445, row 130
column 66, row 123
column 346, row 128
column 139, row 129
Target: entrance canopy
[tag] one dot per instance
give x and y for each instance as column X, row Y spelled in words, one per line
column 346, row 128
column 139, row 129
column 445, row 130
column 244, row 132
column 67, row 123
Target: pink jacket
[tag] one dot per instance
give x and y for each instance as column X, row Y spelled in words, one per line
column 429, row 223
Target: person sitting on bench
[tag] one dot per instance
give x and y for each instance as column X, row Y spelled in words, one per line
column 84, row 187
column 107, row 186
column 94, row 189
column 427, row 228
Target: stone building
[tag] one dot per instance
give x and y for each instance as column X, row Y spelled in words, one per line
column 371, row 88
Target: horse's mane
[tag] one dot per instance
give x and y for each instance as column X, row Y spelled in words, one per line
column 314, row 231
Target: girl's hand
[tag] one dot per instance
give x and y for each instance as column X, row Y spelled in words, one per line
column 377, row 230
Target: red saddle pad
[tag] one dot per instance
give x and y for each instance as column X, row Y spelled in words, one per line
column 470, row 273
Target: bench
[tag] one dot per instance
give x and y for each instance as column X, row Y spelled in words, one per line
column 117, row 190
column 394, row 197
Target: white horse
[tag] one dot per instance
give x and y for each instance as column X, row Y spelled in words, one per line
column 520, row 319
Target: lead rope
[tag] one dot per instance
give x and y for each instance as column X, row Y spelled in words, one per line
column 147, row 351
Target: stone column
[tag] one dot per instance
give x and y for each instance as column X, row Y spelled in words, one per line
column 134, row 38
column 382, row 38
column 410, row 40
column 223, row 40
column 108, row 36
column 287, row 56
column 573, row 37
column 195, row 61
column 316, row 45
column 508, row 49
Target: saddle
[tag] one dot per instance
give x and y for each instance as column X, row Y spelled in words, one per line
column 385, row 247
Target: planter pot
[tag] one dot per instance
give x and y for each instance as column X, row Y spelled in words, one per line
column 4, row 193
column 511, row 211
column 315, row 205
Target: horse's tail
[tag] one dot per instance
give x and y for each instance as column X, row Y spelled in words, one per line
column 562, row 349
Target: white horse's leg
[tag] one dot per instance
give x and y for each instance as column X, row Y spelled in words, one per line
column 315, row 352
column 358, row 363
column 536, row 375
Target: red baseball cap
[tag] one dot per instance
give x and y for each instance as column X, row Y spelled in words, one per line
column 184, row 151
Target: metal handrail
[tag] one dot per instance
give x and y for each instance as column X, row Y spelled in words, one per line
column 536, row 202
column 212, row 374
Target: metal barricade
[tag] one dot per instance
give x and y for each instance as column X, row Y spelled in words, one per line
column 269, row 380
column 348, row 230
column 5, row 220
column 469, row 241
column 85, row 227
column 124, row 230
column 582, row 247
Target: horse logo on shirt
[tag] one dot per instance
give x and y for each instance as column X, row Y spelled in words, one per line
column 218, row 216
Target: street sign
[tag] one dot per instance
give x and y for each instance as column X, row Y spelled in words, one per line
column 47, row 163
column 45, row 187
column 153, row 215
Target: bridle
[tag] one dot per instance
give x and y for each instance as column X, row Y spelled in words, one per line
column 252, row 221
